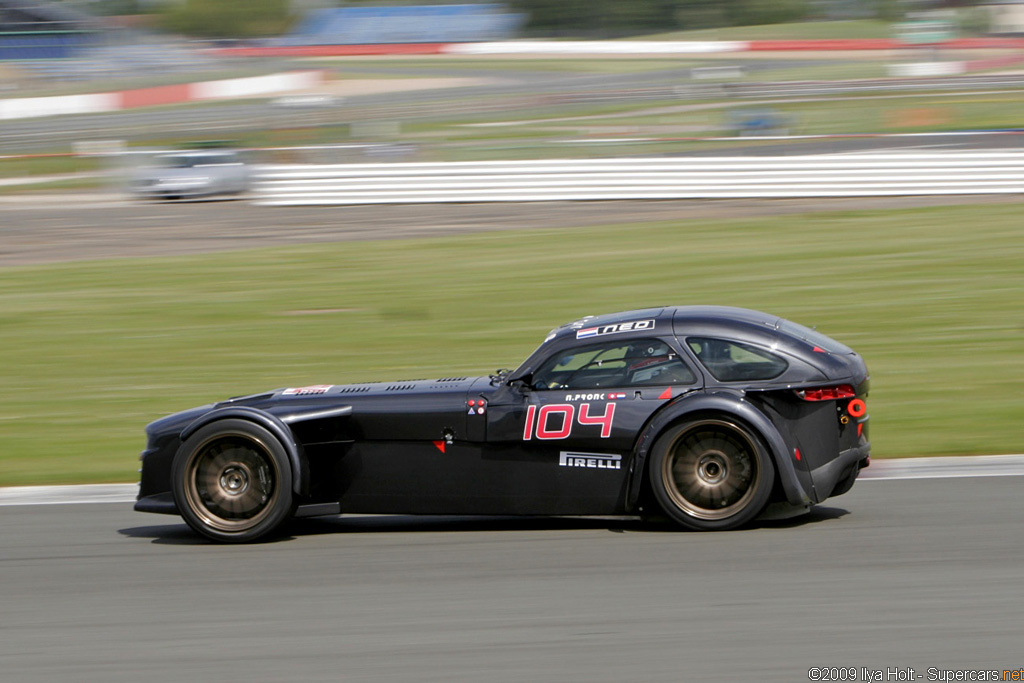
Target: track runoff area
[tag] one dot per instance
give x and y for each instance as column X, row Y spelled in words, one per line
column 948, row 467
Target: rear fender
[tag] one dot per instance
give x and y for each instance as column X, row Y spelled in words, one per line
column 725, row 403
column 296, row 456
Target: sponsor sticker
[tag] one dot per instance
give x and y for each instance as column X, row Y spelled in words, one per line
column 593, row 461
column 307, row 391
column 601, row 330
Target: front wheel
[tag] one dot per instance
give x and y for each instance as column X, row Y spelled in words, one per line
column 232, row 481
column 711, row 474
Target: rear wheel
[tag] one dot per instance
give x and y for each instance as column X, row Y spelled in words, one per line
column 232, row 481
column 711, row 474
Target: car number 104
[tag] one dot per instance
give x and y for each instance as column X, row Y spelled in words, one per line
column 564, row 417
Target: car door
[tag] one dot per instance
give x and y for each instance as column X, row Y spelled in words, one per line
column 570, row 429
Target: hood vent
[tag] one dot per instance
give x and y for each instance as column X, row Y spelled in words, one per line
column 452, row 379
column 401, row 387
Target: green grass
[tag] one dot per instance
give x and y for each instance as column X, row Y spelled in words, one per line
column 852, row 114
column 839, row 70
column 805, row 30
column 95, row 350
column 539, row 132
column 46, row 165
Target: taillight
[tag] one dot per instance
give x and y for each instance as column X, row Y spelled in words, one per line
column 827, row 393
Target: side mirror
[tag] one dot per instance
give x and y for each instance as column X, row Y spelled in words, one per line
column 521, row 385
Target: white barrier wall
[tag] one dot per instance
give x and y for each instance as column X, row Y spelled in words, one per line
column 25, row 107
column 640, row 178
column 254, row 86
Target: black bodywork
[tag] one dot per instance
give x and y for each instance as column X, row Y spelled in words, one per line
column 569, row 432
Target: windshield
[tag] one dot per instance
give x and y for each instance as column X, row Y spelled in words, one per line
column 178, row 162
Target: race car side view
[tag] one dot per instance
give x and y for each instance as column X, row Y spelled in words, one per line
column 708, row 415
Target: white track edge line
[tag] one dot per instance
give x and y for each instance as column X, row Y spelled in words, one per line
column 881, row 470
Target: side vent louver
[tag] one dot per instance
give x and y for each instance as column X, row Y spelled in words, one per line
column 353, row 390
column 401, row 387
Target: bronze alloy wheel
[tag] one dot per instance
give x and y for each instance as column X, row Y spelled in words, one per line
column 712, row 470
column 232, row 482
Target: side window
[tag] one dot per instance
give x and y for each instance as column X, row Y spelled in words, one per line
column 730, row 361
column 614, row 364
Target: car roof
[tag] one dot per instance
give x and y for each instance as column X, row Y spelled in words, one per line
column 740, row 325
column 584, row 327
column 728, row 321
column 682, row 320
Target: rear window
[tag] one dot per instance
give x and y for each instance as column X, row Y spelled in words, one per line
column 194, row 160
column 177, row 162
column 731, row 361
column 813, row 337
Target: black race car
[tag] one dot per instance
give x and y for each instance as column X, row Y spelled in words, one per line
column 708, row 415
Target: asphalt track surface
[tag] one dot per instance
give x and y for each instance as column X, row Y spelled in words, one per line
column 896, row 574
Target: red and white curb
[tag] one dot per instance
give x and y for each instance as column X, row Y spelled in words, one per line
column 946, row 467
column 880, row 470
column 96, row 103
column 68, row 495
column 255, row 86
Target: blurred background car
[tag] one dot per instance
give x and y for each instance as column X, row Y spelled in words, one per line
column 188, row 174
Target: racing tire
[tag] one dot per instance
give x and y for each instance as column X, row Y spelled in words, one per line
column 711, row 474
column 232, row 481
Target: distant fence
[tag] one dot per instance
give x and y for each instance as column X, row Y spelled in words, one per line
column 403, row 24
column 22, row 45
column 854, row 175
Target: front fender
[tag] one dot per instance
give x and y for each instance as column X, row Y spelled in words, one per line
column 296, row 456
column 722, row 402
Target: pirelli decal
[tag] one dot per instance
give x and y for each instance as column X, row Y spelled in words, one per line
column 601, row 330
column 593, row 461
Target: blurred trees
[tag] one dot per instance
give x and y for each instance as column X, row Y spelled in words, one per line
column 228, row 18
column 611, row 17
column 578, row 18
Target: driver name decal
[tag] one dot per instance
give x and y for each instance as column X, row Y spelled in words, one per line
column 613, row 396
column 632, row 326
column 557, row 421
column 307, row 391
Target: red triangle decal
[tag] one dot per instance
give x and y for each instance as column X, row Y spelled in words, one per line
column 667, row 393
column 440, row 445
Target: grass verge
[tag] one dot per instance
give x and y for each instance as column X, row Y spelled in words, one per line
column 95, row 350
